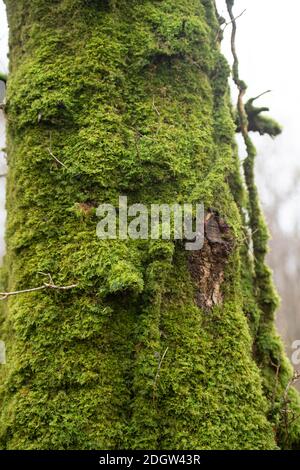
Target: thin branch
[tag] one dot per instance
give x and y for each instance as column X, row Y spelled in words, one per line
column 136, row 143
column 294, row 379
column 4, row 295
column 52, row 155
column 46, row 285
column 241, row 85
column 235, row 18
column 262, row 94
column 222, row 30
column 295, row 418
column 155, row 108
column 277, row 367
column 285, row 410
column 55, row 158
column 158, row 114
column 158, row 371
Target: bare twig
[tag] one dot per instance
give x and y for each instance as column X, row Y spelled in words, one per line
column 262, row 94
column 295, row 418
column 53, row 156
column 158, row 371
column 158, row 114
column 241, row 85
column 292, row 382
column 46, row 285
column 277, row 368
column 285, row 410
column 221, row 30
column 155, row 108
column 4, row 295
column 136, row 143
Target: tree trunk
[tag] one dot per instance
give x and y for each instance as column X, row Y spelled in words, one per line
column 156, row 347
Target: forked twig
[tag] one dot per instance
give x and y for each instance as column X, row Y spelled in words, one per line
column 46, row 285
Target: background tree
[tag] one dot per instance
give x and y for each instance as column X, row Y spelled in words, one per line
column 155, row 347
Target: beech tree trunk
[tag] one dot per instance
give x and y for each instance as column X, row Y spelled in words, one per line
column 156, row 347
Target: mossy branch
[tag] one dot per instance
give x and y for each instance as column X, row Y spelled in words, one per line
column 257, row 224
column 224, row 24
column 264, row 289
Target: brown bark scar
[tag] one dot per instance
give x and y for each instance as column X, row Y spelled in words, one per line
column 207, row 265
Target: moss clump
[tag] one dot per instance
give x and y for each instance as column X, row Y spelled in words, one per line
column 133, row 99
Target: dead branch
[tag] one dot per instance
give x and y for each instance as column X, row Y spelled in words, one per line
column 241, row 85
column 46, row 285
column 155, row 107
column 53, row 156
column 222, row 30
column 277, row 368
column 262, row 94
column 285, row 409
column 158, row 371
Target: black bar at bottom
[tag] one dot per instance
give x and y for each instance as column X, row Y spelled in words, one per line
column 144, row 459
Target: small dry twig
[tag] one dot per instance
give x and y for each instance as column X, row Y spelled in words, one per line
column 221, row 30
column 155, row 107
column 53, row 156
column 46, row 285
column 277, row 368
column 241, row 86
column 292, row 382
column 158, row 371
column 285, row 410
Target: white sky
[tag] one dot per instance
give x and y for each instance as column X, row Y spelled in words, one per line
column 3, row 38
column 268, row 48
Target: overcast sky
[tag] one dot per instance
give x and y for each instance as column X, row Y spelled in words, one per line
column 268, row 49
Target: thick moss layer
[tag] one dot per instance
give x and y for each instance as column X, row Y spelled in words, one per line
column 132, row 98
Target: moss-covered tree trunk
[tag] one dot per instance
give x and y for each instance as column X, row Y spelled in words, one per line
column 156, row 347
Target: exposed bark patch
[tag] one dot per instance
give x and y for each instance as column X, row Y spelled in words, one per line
column 208, row 264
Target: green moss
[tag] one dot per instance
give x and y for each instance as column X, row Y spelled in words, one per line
column 132, row 98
